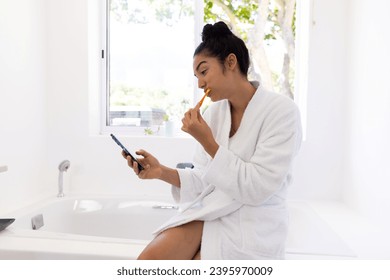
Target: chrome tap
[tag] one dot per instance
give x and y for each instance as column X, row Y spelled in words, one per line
column 64, row 166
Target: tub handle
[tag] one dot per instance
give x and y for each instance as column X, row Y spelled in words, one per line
column 37, row 222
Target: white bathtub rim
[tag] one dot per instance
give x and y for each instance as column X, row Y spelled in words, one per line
column 31, row 234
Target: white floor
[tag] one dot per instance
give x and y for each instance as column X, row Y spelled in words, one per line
column 311, row 237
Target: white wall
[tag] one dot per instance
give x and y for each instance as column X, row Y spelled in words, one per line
column 367, row 185
column 22, row 101
column 320, row 165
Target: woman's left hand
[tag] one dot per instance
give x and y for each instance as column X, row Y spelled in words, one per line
column 195, row 125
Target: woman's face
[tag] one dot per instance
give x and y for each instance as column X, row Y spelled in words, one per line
column 210, row 74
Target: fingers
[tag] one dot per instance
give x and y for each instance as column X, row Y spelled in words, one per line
column 142, row 153
column 142, row 174
column 128, row 158
column 131, row 163
column 191, row 117
column 135, row 168
column 195, row 115
column 197, row 107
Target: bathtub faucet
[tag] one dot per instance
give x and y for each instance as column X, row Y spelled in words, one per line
column 64, row 166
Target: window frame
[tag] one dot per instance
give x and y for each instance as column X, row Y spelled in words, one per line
column 304, row 14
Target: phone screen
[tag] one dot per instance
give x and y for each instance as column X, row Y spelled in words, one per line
column 140, row 167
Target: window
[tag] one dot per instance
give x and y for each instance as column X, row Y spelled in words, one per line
column 149, row 76
column 149, row 46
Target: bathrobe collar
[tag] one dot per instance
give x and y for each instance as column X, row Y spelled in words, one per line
column 250, row 114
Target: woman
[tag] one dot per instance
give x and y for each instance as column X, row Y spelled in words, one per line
column 233, row 201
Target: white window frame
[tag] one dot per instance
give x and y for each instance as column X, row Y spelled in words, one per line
column 104, row 65
column 302, row 42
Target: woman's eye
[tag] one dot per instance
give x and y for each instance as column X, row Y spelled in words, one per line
column 203, row 72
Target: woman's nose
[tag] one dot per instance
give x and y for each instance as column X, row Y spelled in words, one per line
column 201, row 84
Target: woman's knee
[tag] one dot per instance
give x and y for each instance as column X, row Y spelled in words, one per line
column 180, row 242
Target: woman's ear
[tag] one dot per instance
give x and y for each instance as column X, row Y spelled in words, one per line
column 231, row 61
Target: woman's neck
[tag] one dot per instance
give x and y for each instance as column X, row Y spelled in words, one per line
column 240, row 99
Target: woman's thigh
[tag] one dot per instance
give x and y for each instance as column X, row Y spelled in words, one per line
column 181, row 243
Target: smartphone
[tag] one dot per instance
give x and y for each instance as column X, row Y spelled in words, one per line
column 140, row 167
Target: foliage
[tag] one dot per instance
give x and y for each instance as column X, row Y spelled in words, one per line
column 243, row 12
column 241, row 16
column 164, row 10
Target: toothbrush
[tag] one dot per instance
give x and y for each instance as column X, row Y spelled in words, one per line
column 207, row 92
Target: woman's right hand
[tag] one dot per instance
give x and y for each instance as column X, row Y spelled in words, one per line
column 152, row 167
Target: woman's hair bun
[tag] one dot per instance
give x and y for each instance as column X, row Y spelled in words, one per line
column 219, row 41
column 217, row 30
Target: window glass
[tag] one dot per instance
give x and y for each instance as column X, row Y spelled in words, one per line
column 151, row 44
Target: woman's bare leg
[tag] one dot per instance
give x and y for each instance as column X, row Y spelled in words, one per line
column 180, row 243
column 197, row 256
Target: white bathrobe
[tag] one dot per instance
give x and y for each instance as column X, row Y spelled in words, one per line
column 241, row 193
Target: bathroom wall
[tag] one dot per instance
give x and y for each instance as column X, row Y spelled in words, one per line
column 367, row 185
column 319, row 169
column 23, row 127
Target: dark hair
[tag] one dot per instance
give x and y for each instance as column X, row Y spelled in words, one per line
column 219, row 41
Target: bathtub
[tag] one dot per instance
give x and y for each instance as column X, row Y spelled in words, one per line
column 120, row 227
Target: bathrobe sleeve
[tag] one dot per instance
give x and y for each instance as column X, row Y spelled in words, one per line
column 191, row 181
column 255, row 180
